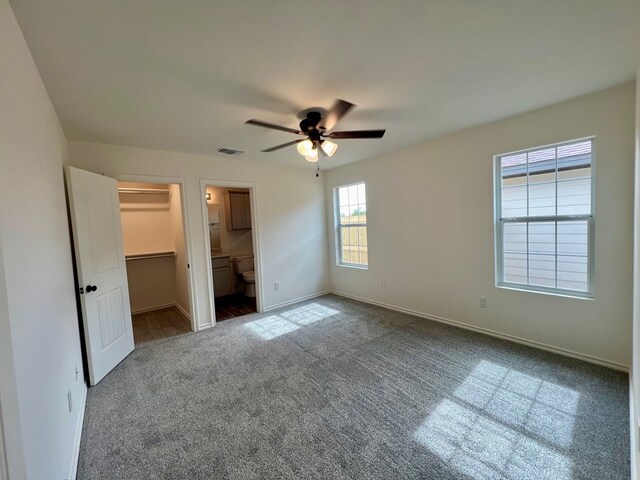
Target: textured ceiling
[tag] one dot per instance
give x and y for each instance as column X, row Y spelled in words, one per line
column 184, row 75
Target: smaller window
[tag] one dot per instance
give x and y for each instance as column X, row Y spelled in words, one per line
column 351, row 219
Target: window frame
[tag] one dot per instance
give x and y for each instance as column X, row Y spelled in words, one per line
column 339, row 226
column 499, row 223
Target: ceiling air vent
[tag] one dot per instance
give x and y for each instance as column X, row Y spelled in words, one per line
column 230, row 151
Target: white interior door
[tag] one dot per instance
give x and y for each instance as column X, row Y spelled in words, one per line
column 101, row 268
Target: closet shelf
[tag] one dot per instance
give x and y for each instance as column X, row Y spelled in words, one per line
column 145, row 191
column 144, row 256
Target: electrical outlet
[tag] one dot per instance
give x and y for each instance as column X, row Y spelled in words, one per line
column 483, row 302
column 70, row 400
column 276, row 286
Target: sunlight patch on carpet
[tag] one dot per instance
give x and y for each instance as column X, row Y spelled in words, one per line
column 542, row 408
column 290, row 320
column 271, row 327
column 504, row 424
column 307, row 314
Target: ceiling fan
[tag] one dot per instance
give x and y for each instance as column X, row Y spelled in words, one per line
column 316, row 128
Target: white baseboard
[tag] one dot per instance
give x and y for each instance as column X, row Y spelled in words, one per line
column 183, row 311
column 296, row 300
column 493, row 333
column 152, row 309
column 76, row 444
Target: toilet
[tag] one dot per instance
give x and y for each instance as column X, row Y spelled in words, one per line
column 244, row 266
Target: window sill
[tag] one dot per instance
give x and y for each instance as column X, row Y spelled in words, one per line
column 560, row 293
column 351, row 265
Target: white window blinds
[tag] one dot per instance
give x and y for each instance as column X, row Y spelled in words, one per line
column 545, row 218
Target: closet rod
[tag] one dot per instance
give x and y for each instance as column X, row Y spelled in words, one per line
column 145, row 191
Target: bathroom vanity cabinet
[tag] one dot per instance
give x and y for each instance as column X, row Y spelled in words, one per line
column 222, row 280
column 237, row 210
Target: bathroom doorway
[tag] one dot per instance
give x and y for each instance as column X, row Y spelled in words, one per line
column 232, row 250
column 156, row 256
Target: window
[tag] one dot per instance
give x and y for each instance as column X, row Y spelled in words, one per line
column 544, row 219
column 351, row 212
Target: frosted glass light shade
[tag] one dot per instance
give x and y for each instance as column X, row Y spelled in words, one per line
column 312, row 156
column 329, row 148
column 305, row 147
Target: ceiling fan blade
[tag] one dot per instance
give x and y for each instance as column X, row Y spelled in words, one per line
column 259, row 123
column 357, row 134
column 284, row 145
column 340, row 109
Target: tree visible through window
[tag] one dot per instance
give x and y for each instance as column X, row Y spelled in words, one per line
column 351, row 212
column 545, row 218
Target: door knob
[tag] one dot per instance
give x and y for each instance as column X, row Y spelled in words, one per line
column 91, row 288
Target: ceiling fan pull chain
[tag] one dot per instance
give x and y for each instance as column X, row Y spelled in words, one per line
column 318, row 169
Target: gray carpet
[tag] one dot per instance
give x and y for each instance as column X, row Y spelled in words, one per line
column 333, row 388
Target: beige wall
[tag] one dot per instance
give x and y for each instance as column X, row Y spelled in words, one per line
column 39, row 327
column 233, row 242
column 430, row 217
column 152, row 283
column 290, row 213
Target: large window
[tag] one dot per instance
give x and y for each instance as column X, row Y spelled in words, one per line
column 544, row 219
column 351, row 221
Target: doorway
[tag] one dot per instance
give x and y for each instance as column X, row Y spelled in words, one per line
column 156, row 257
column 232, row 239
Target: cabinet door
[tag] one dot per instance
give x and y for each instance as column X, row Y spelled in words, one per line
column 221, row 281
column 236, row 201
column 247, row 211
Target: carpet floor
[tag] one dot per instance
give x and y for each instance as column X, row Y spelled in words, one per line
column 333, row 388
column 159, row 324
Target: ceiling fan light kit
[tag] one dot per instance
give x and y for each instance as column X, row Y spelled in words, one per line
column 329, row 147
column 316, row 128
column 312, row 156
column 305, row 147
column 309, row 150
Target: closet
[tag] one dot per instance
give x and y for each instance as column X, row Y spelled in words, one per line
column 154, row 246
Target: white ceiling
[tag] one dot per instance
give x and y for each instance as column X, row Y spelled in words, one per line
column 184, row 75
